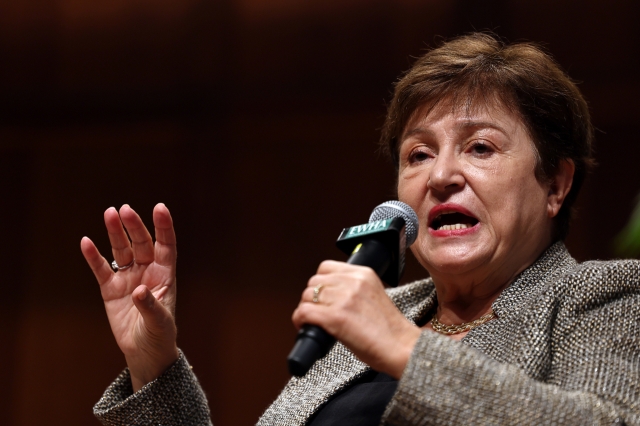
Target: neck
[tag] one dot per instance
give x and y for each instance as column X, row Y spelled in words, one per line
column 466, row 298
column 461, row 311
column 467, row 295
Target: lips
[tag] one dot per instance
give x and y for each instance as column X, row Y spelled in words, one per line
column 451, row 217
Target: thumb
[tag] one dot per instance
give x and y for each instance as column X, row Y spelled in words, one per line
column 156, row 317
column 155, row 339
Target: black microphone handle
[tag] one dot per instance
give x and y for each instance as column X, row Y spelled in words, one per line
column 313, row 342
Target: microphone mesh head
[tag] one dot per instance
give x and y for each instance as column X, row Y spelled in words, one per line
column 391, row 209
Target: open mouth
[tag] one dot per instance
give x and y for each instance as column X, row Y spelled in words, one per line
column 451, row 221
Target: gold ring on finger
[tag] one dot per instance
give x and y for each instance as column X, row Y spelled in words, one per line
column 117, row 268
column 316, row 293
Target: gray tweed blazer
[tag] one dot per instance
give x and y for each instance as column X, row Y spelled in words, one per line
column 565, row 350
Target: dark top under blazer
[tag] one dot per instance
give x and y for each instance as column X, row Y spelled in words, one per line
column 565, row 349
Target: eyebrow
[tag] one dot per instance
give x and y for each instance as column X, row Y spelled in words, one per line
column 481, row 124
column 467, row 124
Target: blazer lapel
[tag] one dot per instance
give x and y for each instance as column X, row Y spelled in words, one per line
column 303, row 396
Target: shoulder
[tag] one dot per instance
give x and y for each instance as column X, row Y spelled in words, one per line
column 602, row 280
column 601, row 298
column 556, row 276
column 597, row 320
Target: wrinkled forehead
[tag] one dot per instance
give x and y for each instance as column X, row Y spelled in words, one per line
column 484, row 108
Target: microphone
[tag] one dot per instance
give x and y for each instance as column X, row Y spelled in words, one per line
column 380, row 245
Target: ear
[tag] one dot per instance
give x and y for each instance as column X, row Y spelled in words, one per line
column 560, row 186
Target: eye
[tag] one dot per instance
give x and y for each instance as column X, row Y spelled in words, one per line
column 480, row 148
column 418, row 156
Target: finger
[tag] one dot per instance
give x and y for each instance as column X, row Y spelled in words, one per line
column 318, row 293
column 156, row 317
column 331, row 266
column 120, row 245
column 334, row 283
column 311, row 313
column 141, row 242
column 98, row 264
column 335, row 278
column 165, row 247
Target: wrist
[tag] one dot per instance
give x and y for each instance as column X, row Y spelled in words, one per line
column 403, row 352
column 145, row 369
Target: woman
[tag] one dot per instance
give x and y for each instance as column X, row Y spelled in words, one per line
column 491, row 143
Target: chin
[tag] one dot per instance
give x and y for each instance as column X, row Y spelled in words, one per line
column 452, row 259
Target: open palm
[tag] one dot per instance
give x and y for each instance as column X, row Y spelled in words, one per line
column 140, row 299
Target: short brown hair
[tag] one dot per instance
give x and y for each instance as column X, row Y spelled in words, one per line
column 522, row 77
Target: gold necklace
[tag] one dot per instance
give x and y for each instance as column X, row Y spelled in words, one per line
column 460, row 328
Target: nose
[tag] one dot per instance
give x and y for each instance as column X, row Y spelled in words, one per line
column 446, row 174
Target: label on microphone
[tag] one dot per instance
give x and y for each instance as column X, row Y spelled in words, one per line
column 390, row 232
column 365, row 229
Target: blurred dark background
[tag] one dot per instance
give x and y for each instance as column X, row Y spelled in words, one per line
column 256, row 122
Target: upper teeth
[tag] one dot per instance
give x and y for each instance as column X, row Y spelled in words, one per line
column 454, row 226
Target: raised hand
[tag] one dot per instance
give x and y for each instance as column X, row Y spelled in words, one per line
column 139, row 300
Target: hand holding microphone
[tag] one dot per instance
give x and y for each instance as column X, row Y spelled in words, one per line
column 353, row 305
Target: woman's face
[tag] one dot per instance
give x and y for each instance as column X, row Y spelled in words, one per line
column 470, row 177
